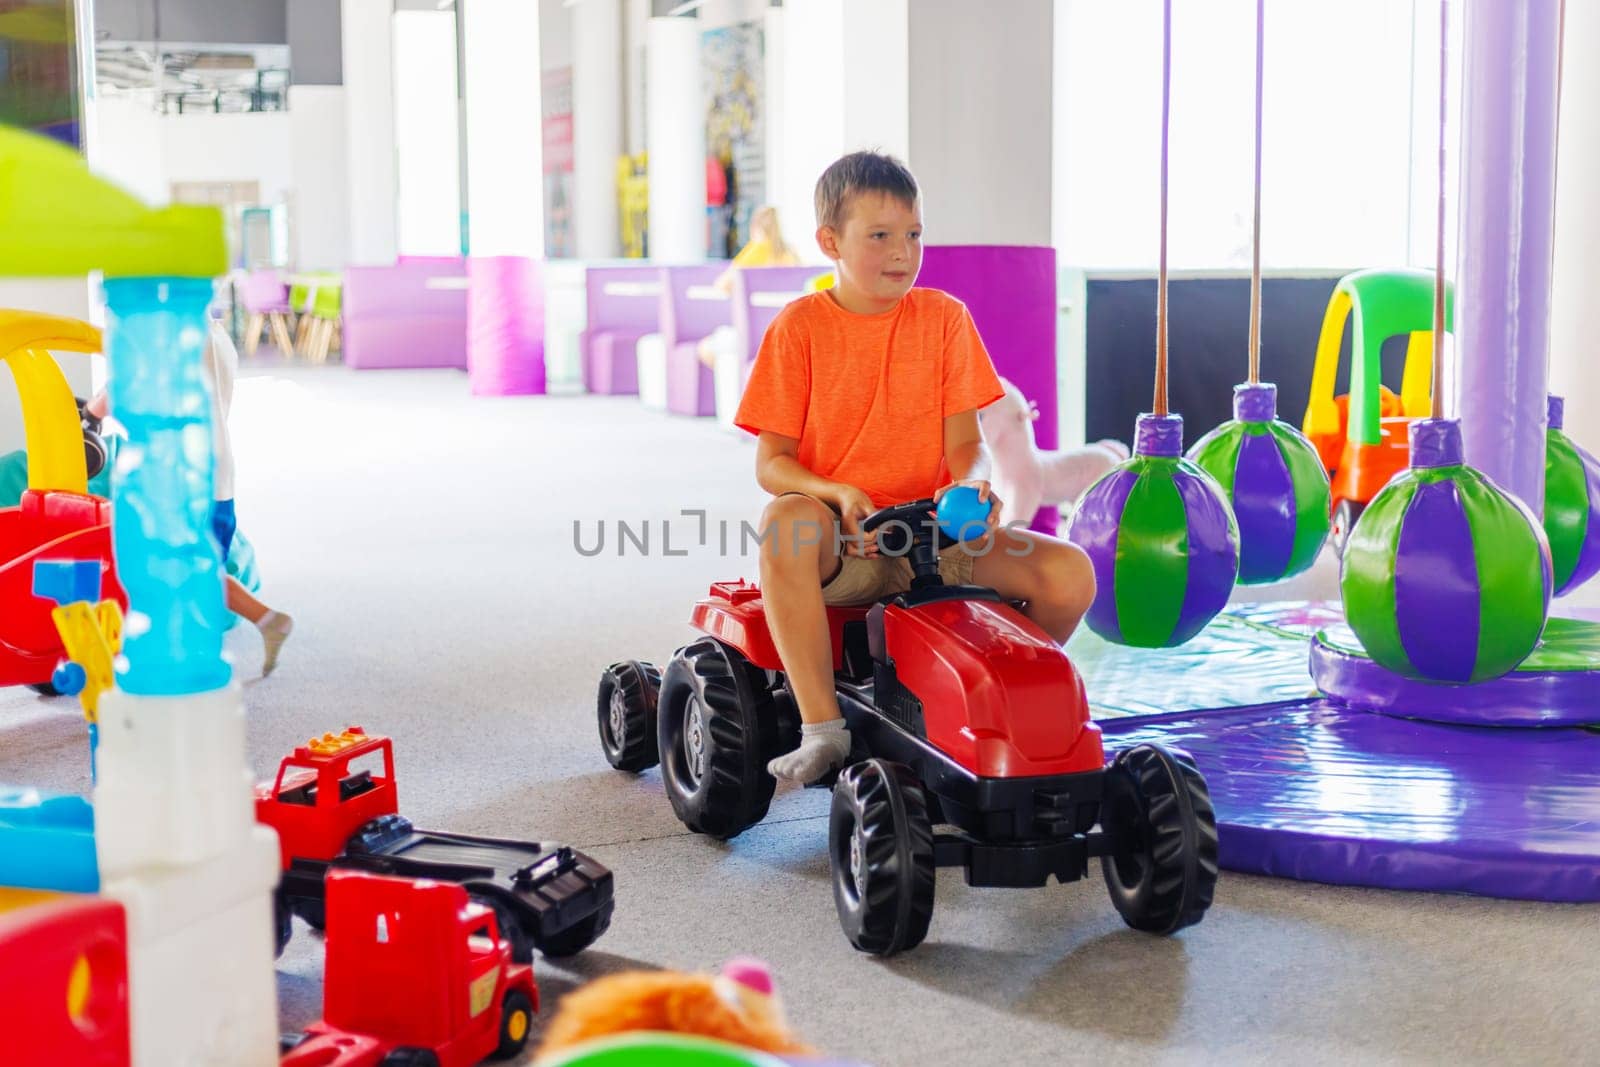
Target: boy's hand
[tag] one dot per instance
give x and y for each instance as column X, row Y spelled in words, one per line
column 985, row 494
column 854, row 506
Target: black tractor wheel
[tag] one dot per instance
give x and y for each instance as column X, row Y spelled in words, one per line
column 716, row 729
column 516, row 1019
column 44, row 689
column 627, row 712
column 580, row 935
column 1344, row 520
column 1162, row 870
column 880, row 850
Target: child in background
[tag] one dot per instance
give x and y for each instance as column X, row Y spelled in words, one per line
column 221, row 362
column 766, row 248
column 863, row 396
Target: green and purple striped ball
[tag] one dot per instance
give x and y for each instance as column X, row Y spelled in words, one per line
column 1162, row 539
column 1571, row 505
column 1446, row 576
column 1275, row 482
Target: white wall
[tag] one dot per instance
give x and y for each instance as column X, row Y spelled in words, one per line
column 828, row 59
column 369, row 130
column 320, row 208
column 427, row 135
column 981, row 143
column 251, row 146
column 51, row 296
column 676, row 140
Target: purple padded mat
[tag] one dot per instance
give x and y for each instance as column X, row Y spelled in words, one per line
column 1312, row 791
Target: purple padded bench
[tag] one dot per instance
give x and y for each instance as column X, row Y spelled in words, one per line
column 751, row 317
column 685, row 322
column 617, row 319
column 392, row 318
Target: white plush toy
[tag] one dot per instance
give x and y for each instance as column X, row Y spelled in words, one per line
column 1026, row 479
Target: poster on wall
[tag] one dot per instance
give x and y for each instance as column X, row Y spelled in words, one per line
column 39, row 69
column 556, row 124
column 733, row 73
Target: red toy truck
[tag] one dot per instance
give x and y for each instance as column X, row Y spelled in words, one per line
column 416, row 974
column 334, row 804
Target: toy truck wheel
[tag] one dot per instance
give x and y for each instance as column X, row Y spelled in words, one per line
column 1162, row 870
column 282, row 924
column 627, row 713
column 1344, row 520
column 880, row 851
column 510, row 929
column 714, row 729
column 44, row 689
column 406, row 1056
column 516, row 1019
column 579, row 936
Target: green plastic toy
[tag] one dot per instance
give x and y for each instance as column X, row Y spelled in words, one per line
column 57, row 219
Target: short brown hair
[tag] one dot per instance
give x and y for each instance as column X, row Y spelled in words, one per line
column 857, row 173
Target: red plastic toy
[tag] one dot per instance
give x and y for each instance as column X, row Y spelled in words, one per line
column 335, row 804
column 963, row 714
column 416, row 974
column 64, row 984
column 53, row 525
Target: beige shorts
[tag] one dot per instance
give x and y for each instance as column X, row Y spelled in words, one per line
column 865, row 581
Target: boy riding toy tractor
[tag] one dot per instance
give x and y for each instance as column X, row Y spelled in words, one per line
column 964, row 715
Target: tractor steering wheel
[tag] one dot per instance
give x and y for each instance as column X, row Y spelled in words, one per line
column 911, row 530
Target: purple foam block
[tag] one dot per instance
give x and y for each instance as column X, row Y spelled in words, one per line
column 1522, row 698
column 1311, row 791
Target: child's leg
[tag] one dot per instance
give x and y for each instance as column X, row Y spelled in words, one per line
column 797, row 557
column 1053, row 576
column 275, row 626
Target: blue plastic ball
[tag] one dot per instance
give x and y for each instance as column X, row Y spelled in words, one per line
column 69, row 678
column 962, row 516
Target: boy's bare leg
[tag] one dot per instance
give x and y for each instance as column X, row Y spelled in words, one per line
column 1053, row 576
column 275, row 626
column 796, row 558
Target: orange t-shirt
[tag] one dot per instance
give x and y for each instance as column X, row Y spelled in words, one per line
column 867, row 395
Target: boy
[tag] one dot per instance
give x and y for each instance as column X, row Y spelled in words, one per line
column 866, row 395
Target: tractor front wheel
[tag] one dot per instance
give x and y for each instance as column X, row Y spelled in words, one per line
column 1162, row 869
column 880, row 851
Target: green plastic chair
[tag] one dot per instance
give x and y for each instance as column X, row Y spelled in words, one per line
column 325, row 308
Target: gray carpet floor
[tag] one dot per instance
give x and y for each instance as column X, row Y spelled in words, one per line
column 424, row 542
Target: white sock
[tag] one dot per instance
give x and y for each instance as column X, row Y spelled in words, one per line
column 823, row 746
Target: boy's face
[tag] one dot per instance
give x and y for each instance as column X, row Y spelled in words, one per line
column 878, row 248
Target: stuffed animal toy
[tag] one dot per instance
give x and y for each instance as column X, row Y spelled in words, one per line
column 1026, row 479
column 740, row 1005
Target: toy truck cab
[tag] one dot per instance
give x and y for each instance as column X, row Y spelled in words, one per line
column 326, row 790
column 414, row 967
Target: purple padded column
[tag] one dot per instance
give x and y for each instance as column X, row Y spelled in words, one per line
column 1508, row 147
column 505, row 326
column 1011, row 292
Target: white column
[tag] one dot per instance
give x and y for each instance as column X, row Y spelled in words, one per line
column 596, row 126
column 981, row 143
column 675, row 135
column 321, row 200
column 505, row 205
column 1574, row 312
column 827, row 59
column 367, row 42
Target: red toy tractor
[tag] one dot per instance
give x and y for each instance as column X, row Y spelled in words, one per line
column 964, row 716
column 416, row 975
